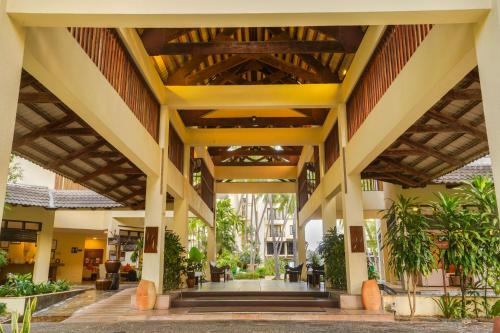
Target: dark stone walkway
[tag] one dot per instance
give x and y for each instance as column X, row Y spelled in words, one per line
column 261, row 327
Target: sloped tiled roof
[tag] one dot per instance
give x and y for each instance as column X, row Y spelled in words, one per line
column 463, row 174
column 41, row 196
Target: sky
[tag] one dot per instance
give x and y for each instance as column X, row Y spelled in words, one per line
column 314, row 234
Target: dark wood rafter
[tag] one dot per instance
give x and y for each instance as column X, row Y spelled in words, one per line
column 448, row 136
column 178, row 77
column 202, row 118
column 53, row 136
column 253, row 47
column 194, row 56
column 255, row 156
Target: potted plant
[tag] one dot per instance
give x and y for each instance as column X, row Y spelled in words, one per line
column 370, row 291
column 410, row 244
column 113, row 265
column 194, row 264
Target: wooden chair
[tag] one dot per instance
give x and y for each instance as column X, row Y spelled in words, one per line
column 294, row 273
column 216, row 272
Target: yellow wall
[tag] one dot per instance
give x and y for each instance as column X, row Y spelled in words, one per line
column 22, row 252
column 73, row 262
column 95, row 244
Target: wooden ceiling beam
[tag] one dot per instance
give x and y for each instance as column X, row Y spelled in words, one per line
column 103, row 170
column 348, row 36
column 324, row 72
column 253, row 122
column 459, row 125
column 251, row 47
column 133, row 194
column 178, row 77
column 426, row 128
column 293, row 70
column 38, row 97
column 70, row 132
column 463, row 94
column 39, row 132
column 403, row 167
column 154, row 38
column 215, row 69
column 76, row 154
column 430, row 151
column 104, row 154
column 129, row 181
column 402, row 152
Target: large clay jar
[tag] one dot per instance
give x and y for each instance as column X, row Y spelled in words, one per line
column 145, row 295
column 112, row 266
column 370, row 295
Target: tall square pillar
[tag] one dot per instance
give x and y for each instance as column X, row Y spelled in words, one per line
column 155, row 221
column 352, row 206
column 44, row 248
column 11, row 54
column 487, row 35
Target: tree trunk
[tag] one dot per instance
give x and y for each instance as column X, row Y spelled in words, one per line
column 463, row 285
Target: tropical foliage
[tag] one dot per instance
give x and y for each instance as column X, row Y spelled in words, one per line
column 228, row 222
column 332, row 251
column 410, row 244
column 26, row 325
column 470, row 227
column 23, row 285
column 174, row 261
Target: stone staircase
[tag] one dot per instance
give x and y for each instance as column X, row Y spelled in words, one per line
column 253, row 301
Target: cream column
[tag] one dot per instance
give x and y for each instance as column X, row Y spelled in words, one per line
column 352, row 207
column 44, row 249
column 181, row 207
column 301, row 244
column 211, row 248
column 156, row 198
column 11, row 54
column 487, row 34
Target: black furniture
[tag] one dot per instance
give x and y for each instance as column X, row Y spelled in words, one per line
column 314, row 274
column 217, row 272
column 293, row 273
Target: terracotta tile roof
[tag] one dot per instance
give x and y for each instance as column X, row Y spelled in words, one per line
column 465, row 173
column 41, row 196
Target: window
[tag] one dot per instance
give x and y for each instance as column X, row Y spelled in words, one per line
column 275, row 231
column 289, row 248
column 270, row 249
column 292, row 230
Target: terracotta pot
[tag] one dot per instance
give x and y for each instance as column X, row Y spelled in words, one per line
column 112, row 266
column 443, row 245
column 145, row 295
column 370, row 295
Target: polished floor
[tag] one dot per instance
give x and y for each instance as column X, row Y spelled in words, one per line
column 261, row 285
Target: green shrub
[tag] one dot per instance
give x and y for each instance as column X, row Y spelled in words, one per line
column 450, row 307
column 3, row 309
column 332, row 250
column 269, row 265
column 174, row 262
column 227, row 259
column 22, row 285
column 4, row 258
column 247, row 276
column 261, row 271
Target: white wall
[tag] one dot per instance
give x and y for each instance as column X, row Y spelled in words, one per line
column 34, row 174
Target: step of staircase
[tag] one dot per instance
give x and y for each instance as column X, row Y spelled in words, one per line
column 238, row 299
